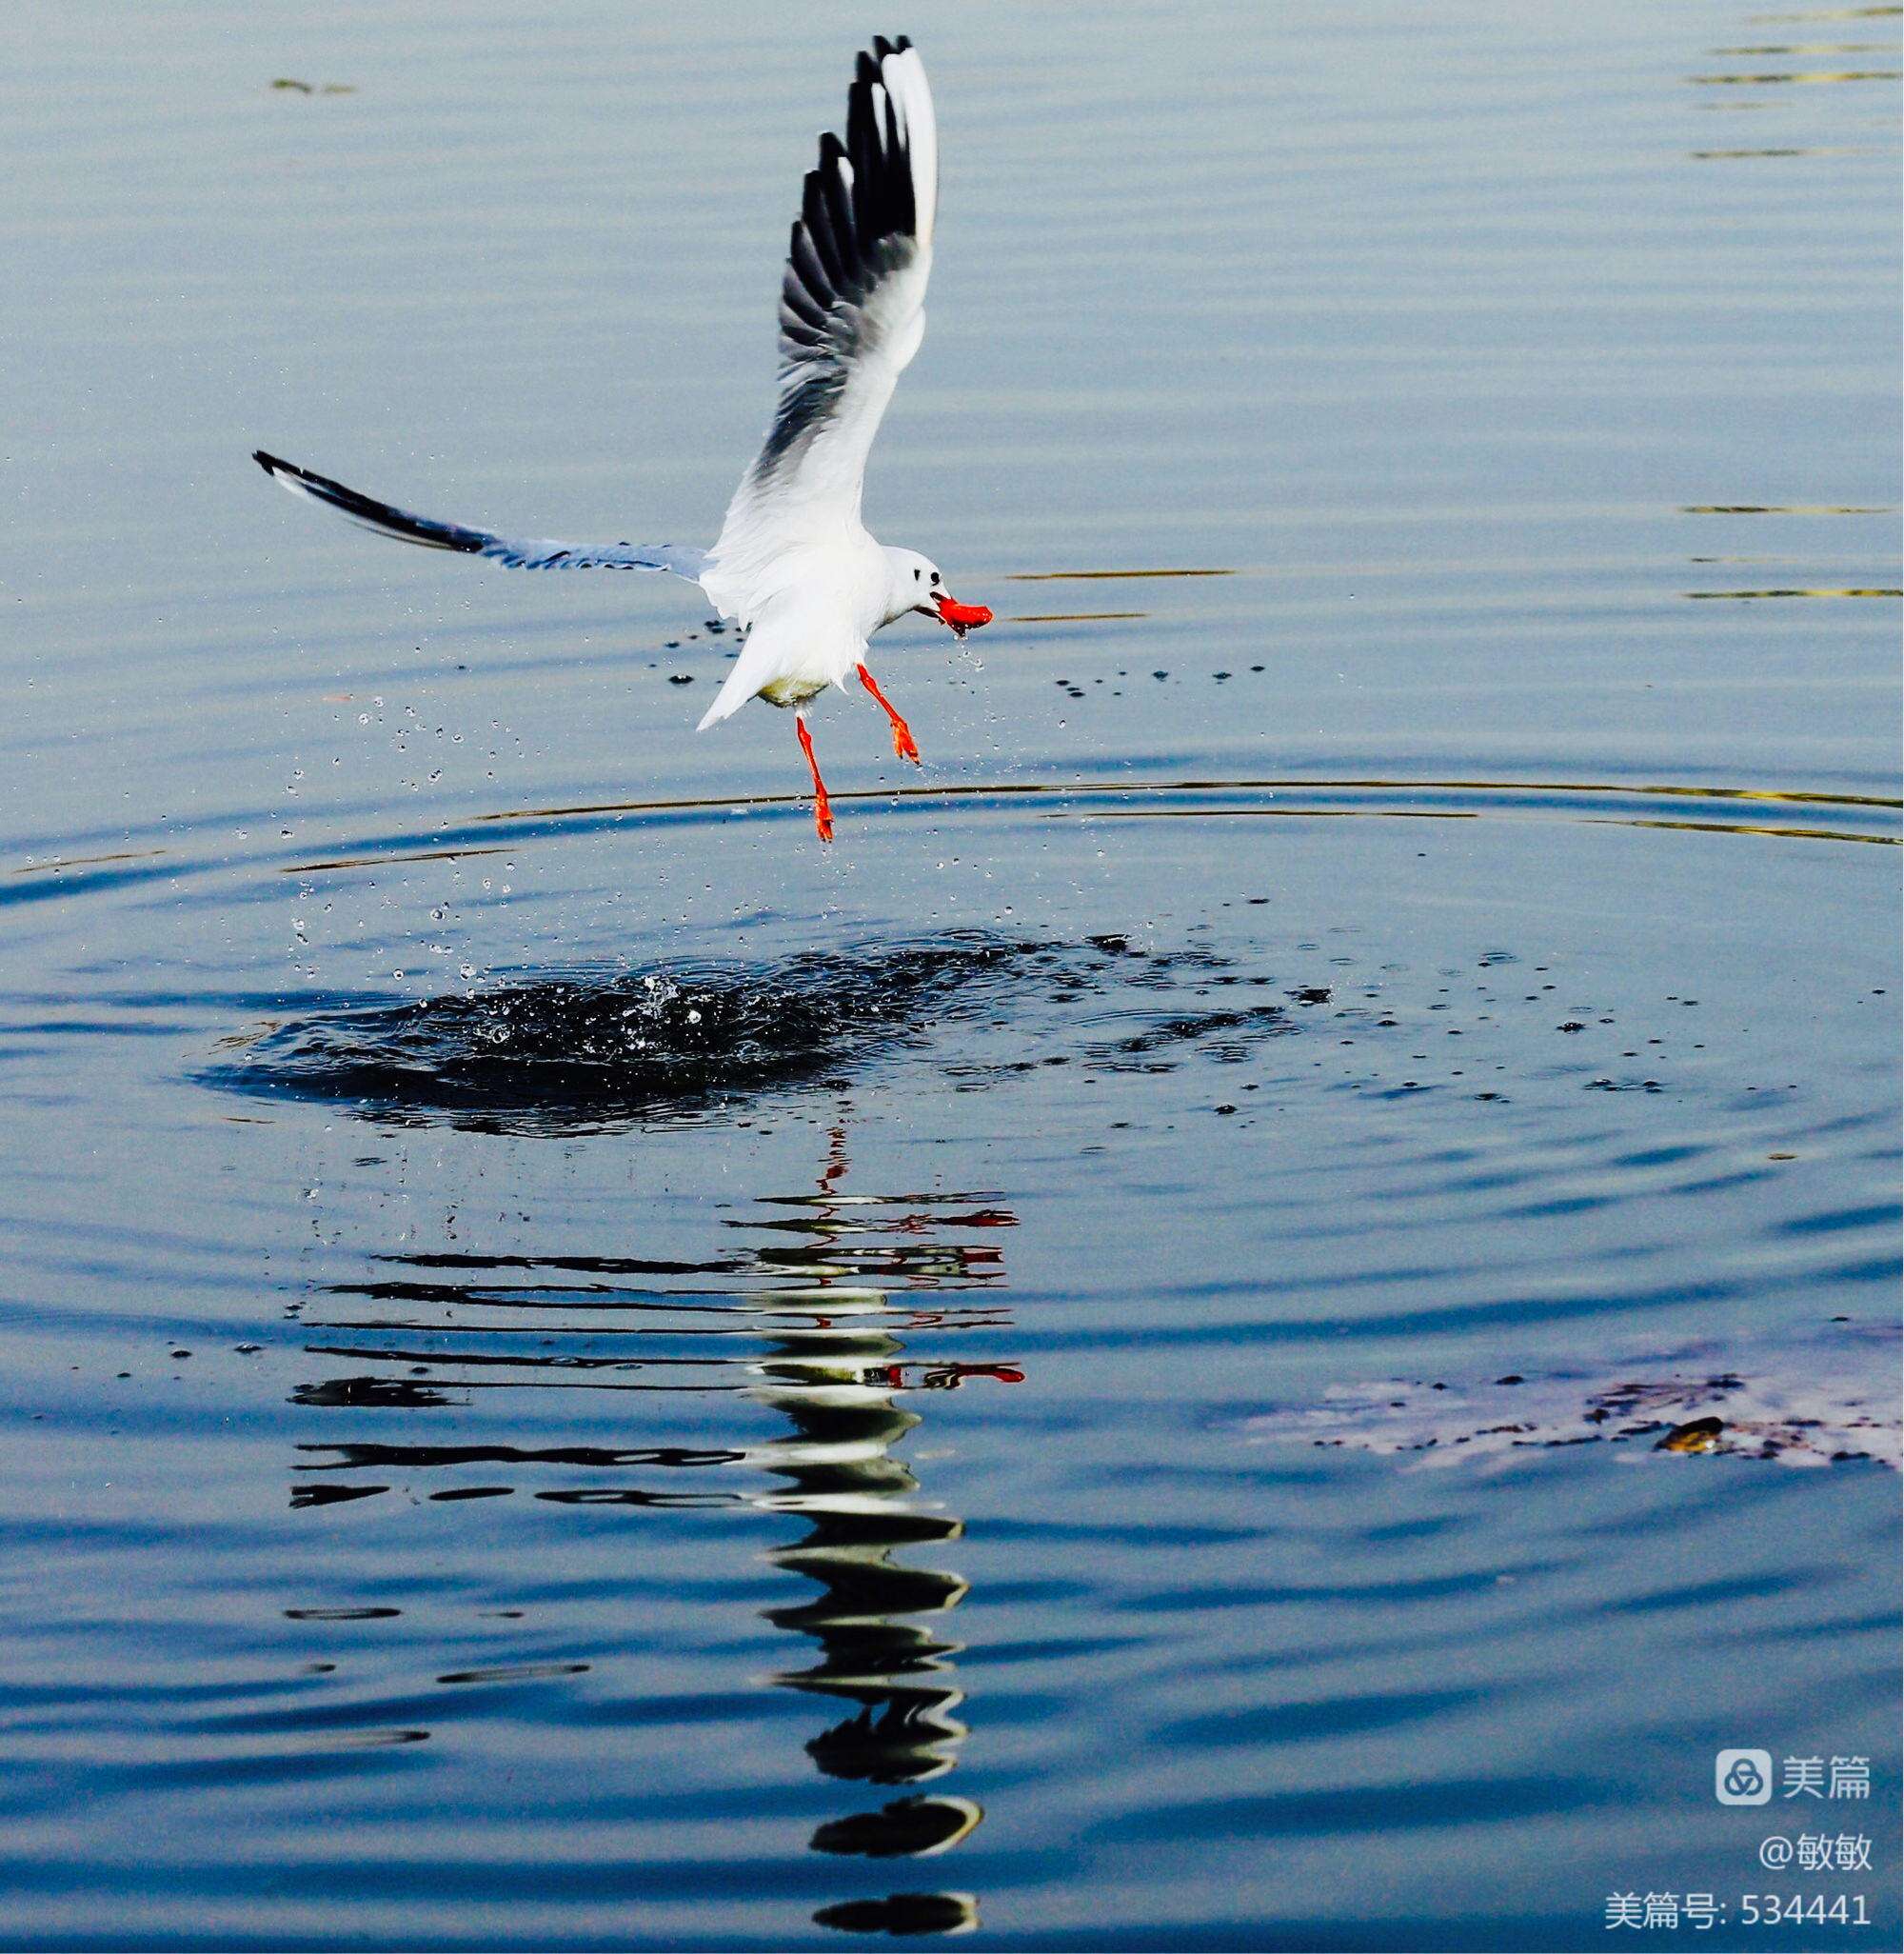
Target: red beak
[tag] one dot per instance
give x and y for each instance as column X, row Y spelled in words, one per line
column 961, row 617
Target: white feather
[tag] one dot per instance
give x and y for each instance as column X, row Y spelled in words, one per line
column 806, row 500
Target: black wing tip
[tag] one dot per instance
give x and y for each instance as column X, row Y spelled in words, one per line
column 379, row 515
column 878, row 152
column 867, row 68
column 274, row 466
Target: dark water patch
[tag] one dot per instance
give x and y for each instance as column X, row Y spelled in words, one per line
column 680, row 1041
column 581, row 1052
column 1164, row 1032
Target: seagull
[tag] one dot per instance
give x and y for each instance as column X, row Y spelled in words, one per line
column 794, row 566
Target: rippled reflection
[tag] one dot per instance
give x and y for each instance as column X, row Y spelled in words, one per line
column 1086, row 799
column 823, row 1294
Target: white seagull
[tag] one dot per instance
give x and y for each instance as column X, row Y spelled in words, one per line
column 794, row 565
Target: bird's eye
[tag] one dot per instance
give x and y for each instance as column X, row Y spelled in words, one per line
column 935, row 576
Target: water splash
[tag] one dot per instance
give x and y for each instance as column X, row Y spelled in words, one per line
column 584, row 1049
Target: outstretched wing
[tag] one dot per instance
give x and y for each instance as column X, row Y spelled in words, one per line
column 516, row 554
column 852, row 311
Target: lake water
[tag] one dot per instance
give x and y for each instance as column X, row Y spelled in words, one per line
column 1088, row 1364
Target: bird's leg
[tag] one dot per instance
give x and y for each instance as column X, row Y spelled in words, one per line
column 902, row 740
column 823, row 808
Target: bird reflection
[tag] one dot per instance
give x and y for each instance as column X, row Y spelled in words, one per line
column 835, row 1377
column 823, row 1286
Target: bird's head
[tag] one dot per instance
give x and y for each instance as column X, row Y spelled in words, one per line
column 916, row 585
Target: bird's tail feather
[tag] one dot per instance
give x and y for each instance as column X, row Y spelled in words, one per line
column 734, row 693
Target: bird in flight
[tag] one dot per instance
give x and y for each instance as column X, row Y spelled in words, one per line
column 794, row 565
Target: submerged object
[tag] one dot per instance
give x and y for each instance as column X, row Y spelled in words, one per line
column 1695, row 1435
column 1802, row 1398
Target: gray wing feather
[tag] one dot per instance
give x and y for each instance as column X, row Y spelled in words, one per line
column 535, row 552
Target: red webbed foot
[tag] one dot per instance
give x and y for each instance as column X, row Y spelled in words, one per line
column 903, row 744
column 823, row 808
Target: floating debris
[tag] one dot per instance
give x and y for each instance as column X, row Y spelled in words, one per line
column 1809, row 1399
